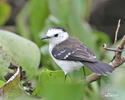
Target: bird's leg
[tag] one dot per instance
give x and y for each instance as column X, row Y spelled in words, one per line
column 84, row 72
column 65, row 76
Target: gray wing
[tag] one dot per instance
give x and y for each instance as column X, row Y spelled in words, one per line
column 73, row 52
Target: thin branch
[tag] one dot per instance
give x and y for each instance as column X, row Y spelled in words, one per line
column 116, row 62
column 111, row 49
column 116, row 32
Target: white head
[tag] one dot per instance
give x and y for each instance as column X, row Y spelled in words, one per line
column 56, row 35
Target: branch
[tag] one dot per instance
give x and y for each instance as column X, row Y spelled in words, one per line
column 116, row 62
column 116, row 32
column 111, row 49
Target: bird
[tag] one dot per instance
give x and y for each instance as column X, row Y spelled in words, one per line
column 71, row 54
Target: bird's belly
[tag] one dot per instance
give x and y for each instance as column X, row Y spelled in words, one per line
column 68, row 66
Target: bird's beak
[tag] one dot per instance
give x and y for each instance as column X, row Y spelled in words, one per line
column 46, row 37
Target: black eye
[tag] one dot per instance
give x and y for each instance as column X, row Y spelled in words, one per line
column 56, row 35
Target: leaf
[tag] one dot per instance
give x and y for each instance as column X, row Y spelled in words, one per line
column 38, row 15
column 19, row 51
column 12, row 87
column 45, row 78
column 63, row 8
column 5, row 10
column 22, row 22
column 4, row 62
column 1, row 83
column 79, row 9
column 53, row 86
column 64, row 91
column 56, row 7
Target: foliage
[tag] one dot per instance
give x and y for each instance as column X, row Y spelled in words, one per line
column 11, row 86
column 1, row 83
column 5, row 10
column 38, row 14
column 32, row 22
column 16, row 49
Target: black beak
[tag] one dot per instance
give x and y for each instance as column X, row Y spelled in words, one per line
column 46, row 37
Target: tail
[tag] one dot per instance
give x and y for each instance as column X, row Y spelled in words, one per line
column 99, row 67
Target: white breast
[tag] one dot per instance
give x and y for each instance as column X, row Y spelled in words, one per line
column 66, row 66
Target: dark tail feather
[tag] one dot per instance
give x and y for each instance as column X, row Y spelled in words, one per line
column 99, row 67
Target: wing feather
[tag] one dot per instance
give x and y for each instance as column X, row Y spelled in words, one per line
column 73, row 50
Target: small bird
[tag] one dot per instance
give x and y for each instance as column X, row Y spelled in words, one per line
column 71, row 54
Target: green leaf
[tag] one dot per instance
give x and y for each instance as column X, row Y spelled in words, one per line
column 19, row 51
column 2, row 83
column 53, row 86
column 5, row 10
column 45, row 78
column 64, row 91
column 79, row 10
column 38, row 14
column 56, row 7
column 22, row 22
column 63, row 8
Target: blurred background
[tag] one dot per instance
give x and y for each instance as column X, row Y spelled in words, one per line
column 94, row 22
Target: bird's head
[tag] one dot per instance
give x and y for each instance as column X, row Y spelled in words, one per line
column 56, row 35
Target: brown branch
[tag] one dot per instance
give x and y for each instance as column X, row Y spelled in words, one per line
column 111, row 49
column 116, row 62
column 116, row 32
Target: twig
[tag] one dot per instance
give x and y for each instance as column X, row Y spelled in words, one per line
column 111, row 49
column 116, row 32
column 116, row 62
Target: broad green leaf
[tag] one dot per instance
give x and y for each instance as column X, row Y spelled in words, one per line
column 62, row 9
column 1, row 83
column 53, row 5
column 5, row 10
column 19, row 51
column 64, row 91
column 56, row 7
column 79, row 10
column 45, row 77
column 53, row 86
column 22, row 22
column 38, row 15
column 4, row 62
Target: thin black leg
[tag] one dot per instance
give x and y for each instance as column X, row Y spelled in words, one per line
column 65, row 76
column 84, row 72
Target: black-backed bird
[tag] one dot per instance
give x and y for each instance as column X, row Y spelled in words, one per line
column 71, row 54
